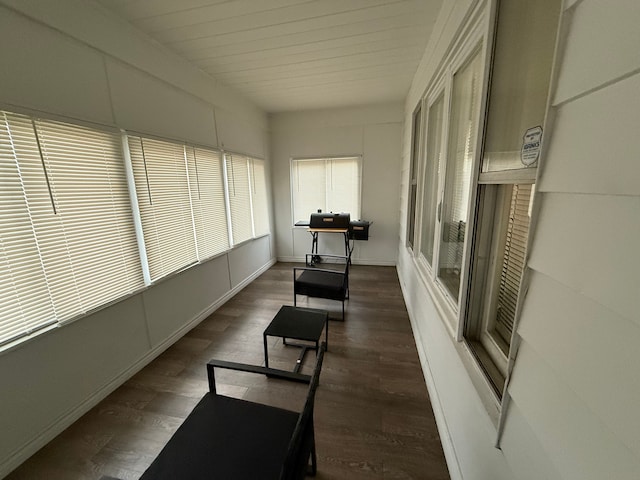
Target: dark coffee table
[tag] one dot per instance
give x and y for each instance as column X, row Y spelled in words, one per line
column 297, row 323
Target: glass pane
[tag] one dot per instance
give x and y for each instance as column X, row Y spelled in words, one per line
column 413, row 174
column 520, row 80
column 513, row 259
column 463, row 130
column 432, row 169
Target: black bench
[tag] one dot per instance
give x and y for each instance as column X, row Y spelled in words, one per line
column 230, row 438
column 330, row 281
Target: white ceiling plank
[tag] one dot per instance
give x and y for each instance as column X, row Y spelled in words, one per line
column 274, row 25
column 319, row 67
column 233, row 44
column 135, row 9
column 288, row 55
column 328, row 49
column 216, row 13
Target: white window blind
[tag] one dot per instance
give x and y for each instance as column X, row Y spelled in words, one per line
column 328, row 184
column 162, row 189
column 206, row 182
column 463, row 132
column 239, row 197
column 309, row 187
column 77, row 203
column 25, row 304
column 259, row 198
column 343, row 191
column 513, row 260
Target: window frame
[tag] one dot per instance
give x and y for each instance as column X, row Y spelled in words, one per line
column 416, row 155
column 326, row 158
column 430, row 99
column 480, row 28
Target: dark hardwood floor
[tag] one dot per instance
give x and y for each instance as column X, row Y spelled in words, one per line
column 373, row 417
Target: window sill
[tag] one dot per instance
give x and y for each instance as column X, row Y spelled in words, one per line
column 478, row 376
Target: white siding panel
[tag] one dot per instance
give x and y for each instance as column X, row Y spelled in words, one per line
column 177, row 300
column 579, row 444
column 584, row 130
column 591, row 348
column 585, row 241
column 44, row 70
column 48, row 378
column 523, row 450
column 248, row 258
column 145, row 104
column 591, row 59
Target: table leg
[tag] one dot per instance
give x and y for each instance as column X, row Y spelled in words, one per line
column 266, row 352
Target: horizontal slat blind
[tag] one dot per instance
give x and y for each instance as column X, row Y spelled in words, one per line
column 162, row 188
column 206, row 181
column 513, row 260
column 259, row 197
column 344, row 186
column 463, row 131
column 309, row 187
column 239, row 198
column 25, row 304
column 76, row 192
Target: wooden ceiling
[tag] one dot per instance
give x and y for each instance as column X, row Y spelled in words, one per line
column 289, row 55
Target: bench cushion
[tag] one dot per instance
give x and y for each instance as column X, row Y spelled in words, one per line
column 321, row 284
column 226, row 438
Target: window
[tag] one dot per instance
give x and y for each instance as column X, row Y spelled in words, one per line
column 90, row 215
column 475, row 206
column 413, row 175
column 463, row 130
column 247, row 191
column 435, row 150
column 164, row 202
column 67, row 236
column 259, row 199
column 206, row 185
column 327, row 184
column 239, row 198
column 522, row 60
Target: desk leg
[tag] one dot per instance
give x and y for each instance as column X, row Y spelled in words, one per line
column 314, row 243
column 266, row 352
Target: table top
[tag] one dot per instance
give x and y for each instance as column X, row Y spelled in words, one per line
column 329, row 230
column 298, row 323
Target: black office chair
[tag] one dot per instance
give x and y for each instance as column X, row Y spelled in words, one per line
column 323, row 276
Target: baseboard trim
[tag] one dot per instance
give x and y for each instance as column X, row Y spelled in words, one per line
column 447, row 443
column 21, row 454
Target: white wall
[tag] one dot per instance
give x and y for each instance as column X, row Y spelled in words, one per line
column 74, row 60
column 373, row 132
column 575, row 389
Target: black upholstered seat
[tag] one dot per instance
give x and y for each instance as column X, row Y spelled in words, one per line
column 230, row 438
column 324, row 276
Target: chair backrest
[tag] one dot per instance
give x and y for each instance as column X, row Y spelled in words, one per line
column 302, row 442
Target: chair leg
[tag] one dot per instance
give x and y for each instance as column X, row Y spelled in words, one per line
column 314, row 465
